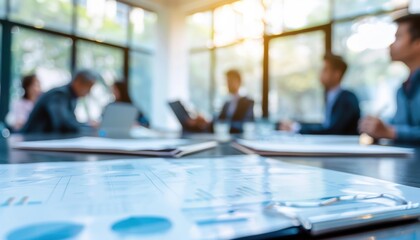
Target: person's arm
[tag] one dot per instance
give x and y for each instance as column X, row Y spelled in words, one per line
column 406, row 133
column 341, row 120
column 62, row 118
column 249, row 116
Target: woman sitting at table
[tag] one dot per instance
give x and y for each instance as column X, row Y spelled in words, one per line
column 22, row 107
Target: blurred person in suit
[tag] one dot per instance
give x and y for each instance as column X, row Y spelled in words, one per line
column 236, row 111
column 405, row 126
column 342, row 111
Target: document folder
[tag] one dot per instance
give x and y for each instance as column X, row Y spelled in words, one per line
column 326, row 223
column 146, row 147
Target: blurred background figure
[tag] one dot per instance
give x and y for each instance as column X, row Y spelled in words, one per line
column 405, row 126
column 236, row 111
column 120, row 91
column 342, row 111
column 22, row 107
column 54, row 111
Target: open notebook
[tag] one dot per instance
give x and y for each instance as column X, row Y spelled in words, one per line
column 147, row 147
column 307, row 147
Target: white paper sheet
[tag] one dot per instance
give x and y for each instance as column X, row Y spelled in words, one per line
column 106, row 143
column 211, row 198
column 321, row 146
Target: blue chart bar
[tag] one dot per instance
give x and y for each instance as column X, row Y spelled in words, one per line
column 8, row 202
column 14, row 201
column 22, row 201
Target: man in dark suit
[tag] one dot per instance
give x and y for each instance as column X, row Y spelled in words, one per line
column 54, row 111
column 237, row 110
column 405, row 126
column 342, row 111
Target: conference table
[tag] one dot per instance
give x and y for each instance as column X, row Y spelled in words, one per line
column 404, row 171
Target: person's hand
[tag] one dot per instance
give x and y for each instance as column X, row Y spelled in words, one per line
column 197, row 123
column 286, row 126
column 375, row 128
column 201, row 122
column 94, row 124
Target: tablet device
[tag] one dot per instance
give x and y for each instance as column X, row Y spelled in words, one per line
column 180, row 112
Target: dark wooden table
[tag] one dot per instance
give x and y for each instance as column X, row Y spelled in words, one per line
column 404, row 171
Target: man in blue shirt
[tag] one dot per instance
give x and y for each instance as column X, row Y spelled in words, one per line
column 54, row 111
column 405, row 126
column 342, row 112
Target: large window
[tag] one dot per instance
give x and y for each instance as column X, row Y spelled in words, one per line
column 295, row 92
column 2, row 8
column 53, row 38
column 200, row 83
column 141, row 81
column 289, row 39
column 143, row 28
column 364, row 43
column 103, row 20
column 349, row 8
column 55, row 14
column 109, row 62
column 43, row 54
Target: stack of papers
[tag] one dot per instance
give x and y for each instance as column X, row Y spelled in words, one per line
column 317, row 147
column 206, row 198
column 148, row 147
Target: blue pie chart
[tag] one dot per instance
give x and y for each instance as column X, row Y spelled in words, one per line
column 141, row 225
column 46, row 231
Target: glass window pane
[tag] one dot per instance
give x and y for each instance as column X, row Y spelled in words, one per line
column 295, row 91
column 55, row 14
column 200, row 82
column 141, row 80
column 109, row 62
column 347, row 8
column 44, row 54
column 242, row 19
column 103, row 20
column 226, row 21
column 305, row 13
column 274, row 16
column 2, row 8
column 250, row 18
column 199, row 29
column 364, row 44
column 144, row 26
column 247, row 58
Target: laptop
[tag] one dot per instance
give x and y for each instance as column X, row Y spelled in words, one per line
column 117, row 120
column 180, row 112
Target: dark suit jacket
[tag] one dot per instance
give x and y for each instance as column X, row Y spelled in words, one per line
column 407, row 118
column 244, row 113
column 54, row 113
column 344, row 120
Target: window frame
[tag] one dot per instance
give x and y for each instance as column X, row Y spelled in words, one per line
column 327, row 28
column 6, row 53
